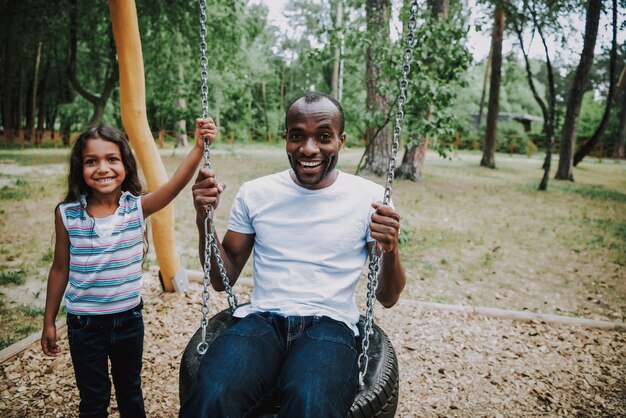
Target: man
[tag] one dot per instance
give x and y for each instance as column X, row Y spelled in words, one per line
column 311, row 228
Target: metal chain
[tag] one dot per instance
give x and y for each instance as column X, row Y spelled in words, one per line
column 372, row 277
column 210, row 243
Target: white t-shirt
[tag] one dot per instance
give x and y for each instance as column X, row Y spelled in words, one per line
column 106, row 225
column 310, row 246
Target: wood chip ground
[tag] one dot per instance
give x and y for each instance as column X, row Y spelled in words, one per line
column 451, row 365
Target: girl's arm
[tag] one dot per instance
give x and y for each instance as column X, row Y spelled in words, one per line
column 161, row 197
column 57, row 282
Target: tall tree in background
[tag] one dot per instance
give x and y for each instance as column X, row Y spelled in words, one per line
column 32, row 106
column 378, row 141
column 519, row 19
column 620, row 139
column 479, row 119
column 440, row 62
column 568, row 137
column 111, row 76
column 588, row 146
column 21, row 90
column 336, row 82
column 493, row 110
column 412, row 165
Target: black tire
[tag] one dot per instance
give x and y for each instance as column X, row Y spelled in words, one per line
column 379, row 397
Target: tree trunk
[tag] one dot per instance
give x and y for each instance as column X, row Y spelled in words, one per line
column 493, row 110
column 440, row 8
column 412, row 166
column 282, row 90
column 30, row 116
column 98, row 102
column 620, row 140
column 479, row 120
column 41, row 114
column 341, row 61
column 7, row 105
column 19, row 108
column 265, row 118
column 588, row 146
column 181, row 103
column 338, row 26
column 378, row 146
column 579, row 84
column 409, row 168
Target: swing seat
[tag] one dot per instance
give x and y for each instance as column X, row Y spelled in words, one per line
column 379, row 397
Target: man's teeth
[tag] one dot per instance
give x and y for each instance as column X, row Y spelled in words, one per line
column 310, row 163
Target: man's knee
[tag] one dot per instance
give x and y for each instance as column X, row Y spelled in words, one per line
column 206, row 399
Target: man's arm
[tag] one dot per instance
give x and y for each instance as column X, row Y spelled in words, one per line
column 384, row 228
column 235, row 248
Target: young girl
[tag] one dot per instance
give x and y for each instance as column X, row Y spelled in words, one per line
column 99, row 249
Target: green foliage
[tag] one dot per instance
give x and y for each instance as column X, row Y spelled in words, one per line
column 16, row 277
column 254, row 70
column 404, row 236
column 19, row 191
column 512, row 138
column 591, row 112
column 32, row 311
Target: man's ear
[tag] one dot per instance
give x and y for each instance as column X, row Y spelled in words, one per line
column 342, row 140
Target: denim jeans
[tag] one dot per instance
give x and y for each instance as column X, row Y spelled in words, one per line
column 96, row 339
column 311, row 360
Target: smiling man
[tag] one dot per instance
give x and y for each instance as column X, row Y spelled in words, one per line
column 311, row 228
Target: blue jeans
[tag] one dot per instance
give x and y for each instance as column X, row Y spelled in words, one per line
column 94, row 339
column 311, row 360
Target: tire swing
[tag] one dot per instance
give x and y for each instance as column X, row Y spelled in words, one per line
column 377, row 395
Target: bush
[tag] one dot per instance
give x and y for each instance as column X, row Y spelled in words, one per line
column 512, row 138
column 12, row 277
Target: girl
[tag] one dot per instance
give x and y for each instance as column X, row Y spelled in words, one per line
column 99, row 230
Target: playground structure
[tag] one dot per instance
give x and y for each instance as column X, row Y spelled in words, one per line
column 135, row 121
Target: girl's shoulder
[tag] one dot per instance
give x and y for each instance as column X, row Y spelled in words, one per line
column 129, row 197
column 72, row 206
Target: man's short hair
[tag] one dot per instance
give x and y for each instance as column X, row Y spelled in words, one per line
column 315, row 96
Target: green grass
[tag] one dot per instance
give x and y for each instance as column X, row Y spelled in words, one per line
column 596, row 192
column 32, row 156
column 611, row 234
column 15, row 277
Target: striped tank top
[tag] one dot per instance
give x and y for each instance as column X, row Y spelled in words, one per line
column 105, row 266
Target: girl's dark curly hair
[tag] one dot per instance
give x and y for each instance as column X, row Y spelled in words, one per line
column 76, row 186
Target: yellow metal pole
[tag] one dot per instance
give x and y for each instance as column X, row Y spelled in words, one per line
column 135, row 121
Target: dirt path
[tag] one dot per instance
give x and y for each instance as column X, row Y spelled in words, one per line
column 451, row 364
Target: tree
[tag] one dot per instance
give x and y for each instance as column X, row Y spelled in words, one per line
column 493, row 109
column 568, row 137
column 519, row 19
column 336, row 82
column 22, row 91
column 110, row 65
column 378, row 141
column 620, row 139
column 588, row 146
column 440, row 61
column 479, row 119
